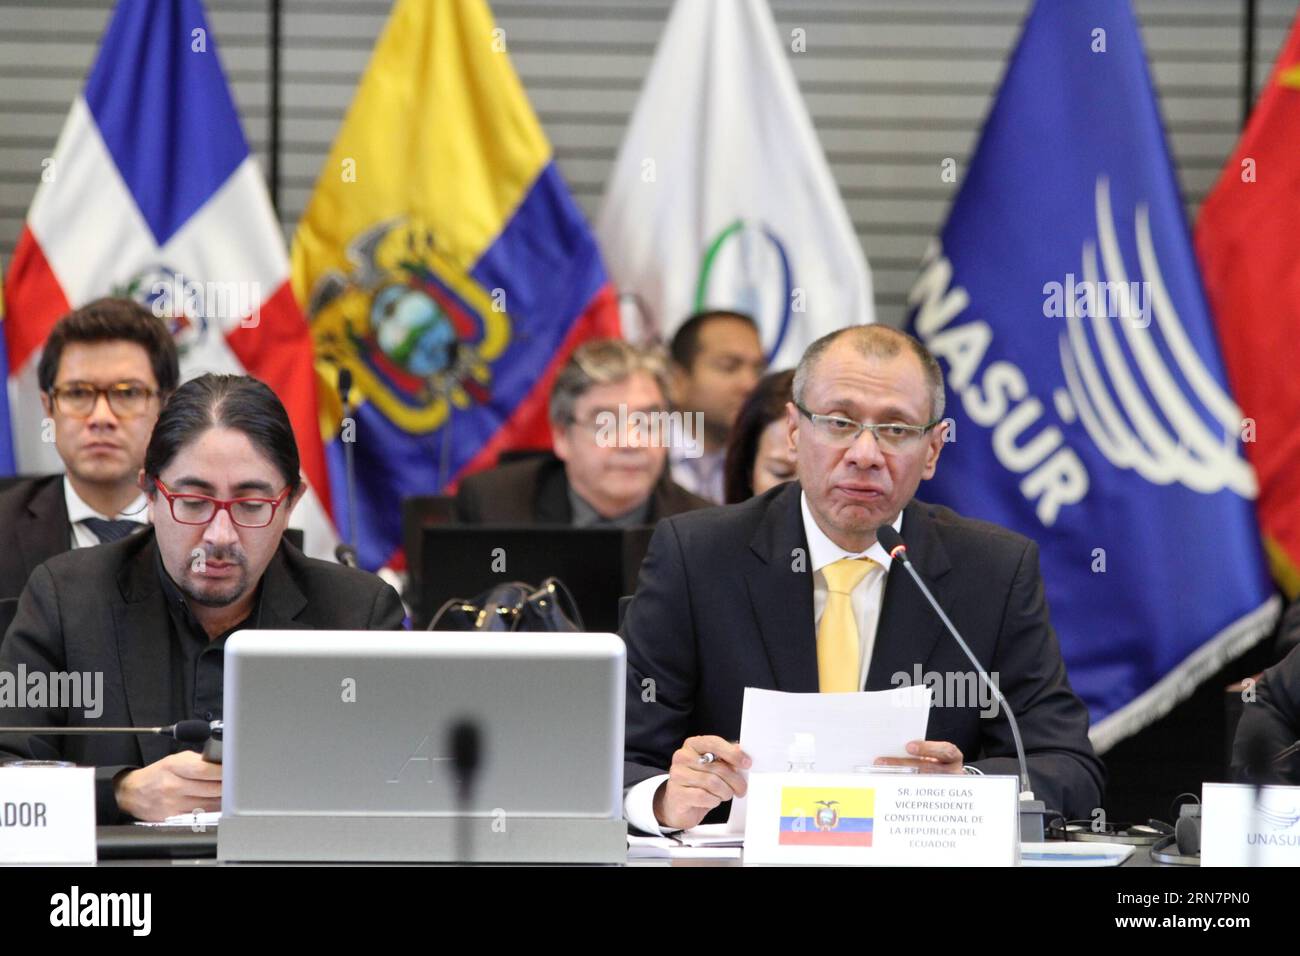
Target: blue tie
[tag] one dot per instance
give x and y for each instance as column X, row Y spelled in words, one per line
column 109, row 531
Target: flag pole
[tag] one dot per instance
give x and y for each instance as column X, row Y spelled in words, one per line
column 1248, row 61
column 273, row 143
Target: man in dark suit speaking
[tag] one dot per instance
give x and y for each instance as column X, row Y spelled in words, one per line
column 147, row 617
column 791, row 591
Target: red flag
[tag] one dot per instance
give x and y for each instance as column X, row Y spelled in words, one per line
column 1248, row 242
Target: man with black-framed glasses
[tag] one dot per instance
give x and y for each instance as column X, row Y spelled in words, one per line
column 791, row 591
column 152, row 612
column 104, row 373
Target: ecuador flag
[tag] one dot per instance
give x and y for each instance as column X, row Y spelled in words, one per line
column 443, row 262
column 827, row 816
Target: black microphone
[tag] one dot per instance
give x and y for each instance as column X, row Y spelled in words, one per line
column 1260, row 773
column 466, row 753
column 1032, row 810
column 345, row 384
column 186, row 731
column 349, row 465
column 346, row 555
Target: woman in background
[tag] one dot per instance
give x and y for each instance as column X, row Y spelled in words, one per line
column 759, row 455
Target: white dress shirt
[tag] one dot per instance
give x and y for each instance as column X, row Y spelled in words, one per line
column 79, row 511
column 866, row 599
column 701, row 475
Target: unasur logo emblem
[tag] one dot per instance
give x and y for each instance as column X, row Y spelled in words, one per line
column 1175, row 445
column 419, row 334
column 1278, row 827
column 746, row 267
column 1150, row 405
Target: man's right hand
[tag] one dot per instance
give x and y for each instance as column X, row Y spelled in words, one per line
column 179, row 783
column 694, row 788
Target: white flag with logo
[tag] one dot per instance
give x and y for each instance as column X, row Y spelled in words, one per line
column 721, row 196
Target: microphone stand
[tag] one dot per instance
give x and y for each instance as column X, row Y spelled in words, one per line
column 1033, row 812
column 346, row 553
column 186, row 731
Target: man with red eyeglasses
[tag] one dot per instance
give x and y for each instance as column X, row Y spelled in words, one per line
column 152, row 612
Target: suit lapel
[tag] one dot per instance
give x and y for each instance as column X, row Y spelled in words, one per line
column 909, row 629
column 45, row 528
column 781, row 593
column 143, row 632
column 281, row 600
column 551, row 504
column 667, row 499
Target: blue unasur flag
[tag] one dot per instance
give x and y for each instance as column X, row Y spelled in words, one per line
column 1088, row 402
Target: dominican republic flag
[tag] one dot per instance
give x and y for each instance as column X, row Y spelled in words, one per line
column 444, row 265
column 1090, row 407
column 151, row 192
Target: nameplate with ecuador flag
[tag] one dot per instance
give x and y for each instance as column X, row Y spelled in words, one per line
column 869, row 819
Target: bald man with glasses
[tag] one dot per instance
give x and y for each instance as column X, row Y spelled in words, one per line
column 791, row 591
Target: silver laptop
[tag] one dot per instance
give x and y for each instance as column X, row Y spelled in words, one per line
column 337, row 746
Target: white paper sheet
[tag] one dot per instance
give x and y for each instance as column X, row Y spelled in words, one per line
column 850, row 730
column 199, row 821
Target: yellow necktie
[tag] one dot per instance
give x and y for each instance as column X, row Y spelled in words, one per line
column 838, row 662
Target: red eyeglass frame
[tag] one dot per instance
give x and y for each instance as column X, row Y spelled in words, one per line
column 222, row 504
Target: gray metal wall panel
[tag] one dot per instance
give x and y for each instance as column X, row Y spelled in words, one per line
column 893, row 86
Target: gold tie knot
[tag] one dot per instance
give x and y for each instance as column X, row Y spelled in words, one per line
column 844, row 575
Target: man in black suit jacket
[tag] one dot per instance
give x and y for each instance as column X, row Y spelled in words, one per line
column 536, row 491
column 734, row 598
column 106, row 611
column 612, row 429
column 104, row 373
column 135, row 631
column 1270, row 725
column 34, row 527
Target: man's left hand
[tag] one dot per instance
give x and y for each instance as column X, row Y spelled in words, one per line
column 928, row 756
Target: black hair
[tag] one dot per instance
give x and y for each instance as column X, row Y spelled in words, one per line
column 685, row 345
column 111, row 320
column 765, row 404
column 237, row 402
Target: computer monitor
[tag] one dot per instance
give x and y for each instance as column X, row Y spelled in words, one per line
column 337, row 746
column 598, row 565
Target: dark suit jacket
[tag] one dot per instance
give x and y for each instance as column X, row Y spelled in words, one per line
column 536, row 491
column 1269, row 724
column 102, row 611
column 34, row 527
column 719, row 608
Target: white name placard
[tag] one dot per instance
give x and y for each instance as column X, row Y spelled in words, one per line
column 47, row 815
column 1238, row 831
column 866, row 819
